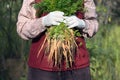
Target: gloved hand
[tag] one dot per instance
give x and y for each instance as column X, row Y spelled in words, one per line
column 53, row 18
column 74, row 21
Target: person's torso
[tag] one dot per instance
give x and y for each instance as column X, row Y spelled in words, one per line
column 81, row 58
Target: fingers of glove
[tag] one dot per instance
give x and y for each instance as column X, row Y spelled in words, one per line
column 55, row 23
column 68, row 19
column 72, row 25
column 71, row 22
column 56, row 16
column 58, row 19
column 76, row 23
column 65, row 19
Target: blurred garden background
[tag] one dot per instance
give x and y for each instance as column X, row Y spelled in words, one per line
column 104, row 47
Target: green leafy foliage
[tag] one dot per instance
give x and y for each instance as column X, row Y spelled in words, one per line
column 69, row 7
column 57, row 31
column 104, row 53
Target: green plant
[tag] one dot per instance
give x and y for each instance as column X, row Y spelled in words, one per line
column 104, row 53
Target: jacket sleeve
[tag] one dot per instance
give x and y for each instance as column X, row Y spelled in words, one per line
column 90, row 19
column 28, row 26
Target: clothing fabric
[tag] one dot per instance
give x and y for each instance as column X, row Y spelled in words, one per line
column 78, row 74
column 30, row 27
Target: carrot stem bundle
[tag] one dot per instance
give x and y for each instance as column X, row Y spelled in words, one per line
column 60, row 40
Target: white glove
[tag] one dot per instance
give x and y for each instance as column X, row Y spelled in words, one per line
column 53, row 18
column 74, row 21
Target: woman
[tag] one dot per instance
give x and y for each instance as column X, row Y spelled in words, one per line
column 31, row 27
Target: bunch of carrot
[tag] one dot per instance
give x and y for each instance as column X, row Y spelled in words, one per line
column 60, row 40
